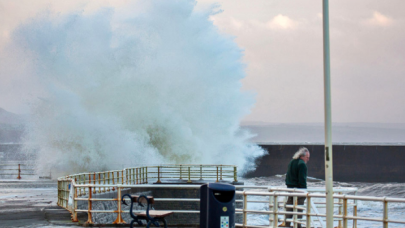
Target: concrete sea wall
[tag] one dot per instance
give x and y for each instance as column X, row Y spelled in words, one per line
column 354, row 163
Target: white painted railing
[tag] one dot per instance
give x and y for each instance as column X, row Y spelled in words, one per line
column 341, row 201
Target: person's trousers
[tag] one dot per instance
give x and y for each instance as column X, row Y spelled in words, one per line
column 290, row 201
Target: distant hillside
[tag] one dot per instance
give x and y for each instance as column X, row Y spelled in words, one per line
column 10, row 118
column 11, row 127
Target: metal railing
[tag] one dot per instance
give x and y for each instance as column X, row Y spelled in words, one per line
column 82, row 187
column 109, row 180
column 17, row 170
column 342, row 201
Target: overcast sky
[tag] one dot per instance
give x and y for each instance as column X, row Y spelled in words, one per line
column 282, row 41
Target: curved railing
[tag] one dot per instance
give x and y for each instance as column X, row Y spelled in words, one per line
column 71, row 192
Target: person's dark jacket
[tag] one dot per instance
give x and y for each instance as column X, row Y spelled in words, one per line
column 296, row 174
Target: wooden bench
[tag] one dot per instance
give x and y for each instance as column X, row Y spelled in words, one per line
column 151, row 216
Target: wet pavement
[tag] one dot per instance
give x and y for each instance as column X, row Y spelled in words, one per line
column 31, row 203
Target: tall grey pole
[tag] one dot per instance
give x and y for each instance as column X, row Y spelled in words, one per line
column 328, row 118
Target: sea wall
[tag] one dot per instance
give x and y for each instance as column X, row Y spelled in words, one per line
column 354, row 163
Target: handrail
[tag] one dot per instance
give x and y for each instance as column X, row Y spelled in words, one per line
column 19, row 171
column 81, row 187
column 342, row 217
column 140, row 175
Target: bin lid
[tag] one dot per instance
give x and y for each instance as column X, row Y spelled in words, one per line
column 221, row 187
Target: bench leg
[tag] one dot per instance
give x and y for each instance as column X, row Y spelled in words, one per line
column 156, row 223
column 164, row 222
column 132, row 223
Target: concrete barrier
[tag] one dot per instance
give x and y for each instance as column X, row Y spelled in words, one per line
column 355, row 163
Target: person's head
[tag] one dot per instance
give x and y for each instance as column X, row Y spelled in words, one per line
column 303, row 154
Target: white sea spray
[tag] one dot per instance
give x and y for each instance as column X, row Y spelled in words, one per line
column 154, row 83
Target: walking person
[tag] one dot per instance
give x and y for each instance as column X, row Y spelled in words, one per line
column 297, row 178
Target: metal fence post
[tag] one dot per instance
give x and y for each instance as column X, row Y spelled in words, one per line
column 385, row 222
column 344, row 211
column 113, row 180
column 126, row 176
column 136, row 176
column 308, row 222
column 104, row 181
column 220, row 173
column 217, row 174
column 119, row 219
column 146, row 174
column 235, row 174
column 180, row 173
column 355, row 214
column 99, row 182
column 275, row 211
column 80, row 189
column 189, row 175
column 19, row 172
column 340, row 202
column 201, row 172
column 74, row 212
column 295, row 210
column 143, row 175
column 58, row 193
column 158, row 181
column 133, row 176
column 108, row 181
column 89, row 208
column 244, row 209
column 94, row 181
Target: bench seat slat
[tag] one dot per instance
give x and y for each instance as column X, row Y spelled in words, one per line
column 155, row 214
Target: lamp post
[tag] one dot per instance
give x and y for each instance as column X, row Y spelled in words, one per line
column 328, row 117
